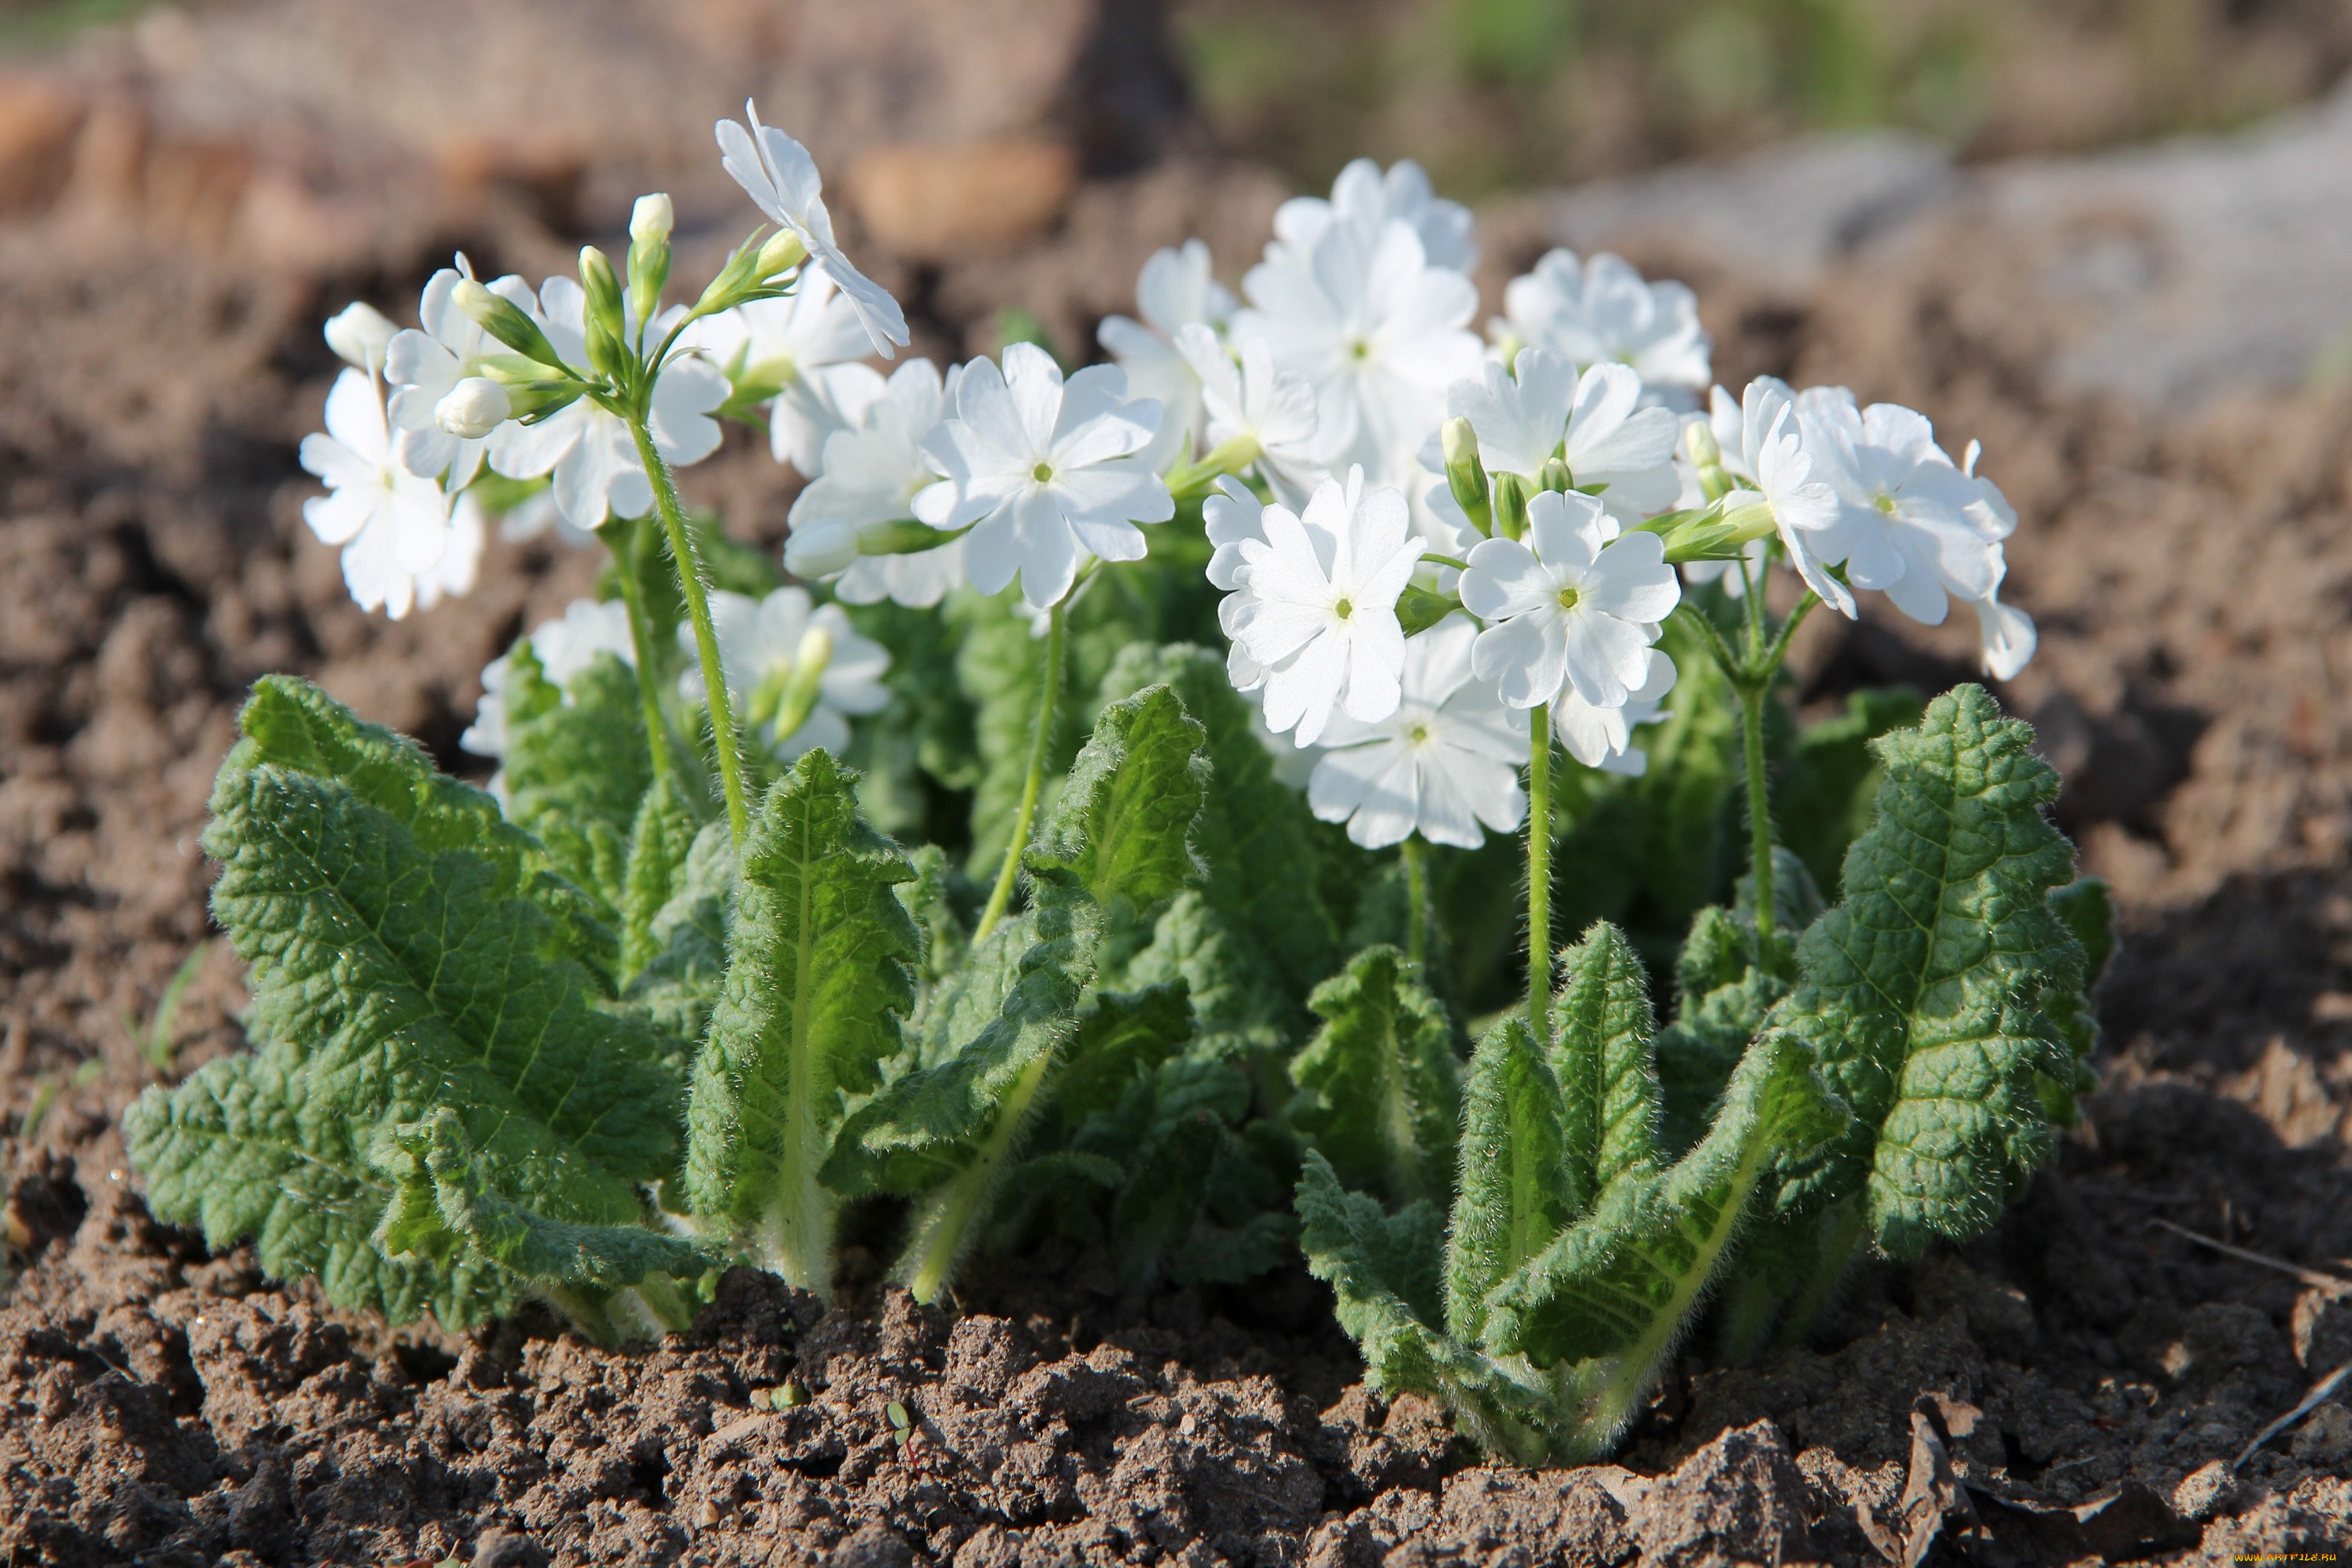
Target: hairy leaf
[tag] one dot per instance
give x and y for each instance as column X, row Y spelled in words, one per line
column 1723, row 1000
column 1823, row 799
column 1121, row 827
column 1379, row 1087
column 577, row 766
column 1000, row 668
column 1513, row 1196
column 659, row 841
column 682, row 979
column 1600, row 1055
column 1932, row 994
column 818, row 976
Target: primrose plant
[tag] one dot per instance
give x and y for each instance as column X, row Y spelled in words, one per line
column 1095, row 829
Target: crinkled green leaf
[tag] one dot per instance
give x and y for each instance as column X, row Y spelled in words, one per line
column 1121, row 827
column 1600, row 1055
column 1797, row 900
column 819, row 974
column 2088, row 913
column 1122, row 1038
column 1513, row 1196
column 659, row 841
column 1255, row 835
column 1380, row 1086
column 1000, row 668
column 1723, row 1000
column 402, row 957
column 577, row 767
column 1932, row 994
column 445, row 1207
column 1621, row 1281
column 681, row 982
column 1240, row 1004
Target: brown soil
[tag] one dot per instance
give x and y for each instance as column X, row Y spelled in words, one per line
column 2078, row 1382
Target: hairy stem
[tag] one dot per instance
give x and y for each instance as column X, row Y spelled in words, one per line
column 1416, row 901
column 628, row 566
column 1001, row 894
column 946, row 1217
column 1760, row 824
column 1539, row 870
column 706, row 639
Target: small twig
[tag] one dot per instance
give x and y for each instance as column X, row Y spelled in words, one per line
column 2311, row 1402
column 2336, row 1289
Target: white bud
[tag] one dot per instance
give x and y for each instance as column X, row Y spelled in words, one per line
column 819, row 550
column 651, row 219
column 473, row 408
column 360, row 335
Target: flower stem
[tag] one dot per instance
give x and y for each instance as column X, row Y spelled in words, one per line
column 625, row 560
column 1001, row 894
column 1760, row 822
column 1415, row 855
column 1539, row 870
column 706, row 641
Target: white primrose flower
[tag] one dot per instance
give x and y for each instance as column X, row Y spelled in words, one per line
column 1044, row 472
column 1763, row 441
column 587, row 450
column 1321, row 617
column 425, row 368
column 1232, row 516
column 1911, row 525
column 797, row 671
column 1376, row 330
column 1543, row 409
column 401, row 544
column 358, row 334
column 1444, row 762
column 1602, row 312
column 2006, row 637
column 808, row 343
column 564, row 648
column 1367, row 198
column 779, row 176
column 1602, row 737
column 1175, row 290
column 870, row 477
column 1254, row 401
column 1568, row 607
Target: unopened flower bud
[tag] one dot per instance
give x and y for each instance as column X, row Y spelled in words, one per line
column 504, row 321
column 783, row 251
column 606, row 324
column 651, row 220
column 359, row 334
column 1465, row 476
column 473, row 408
column 1555, row 477
column 1510, row 505
column 818, row 549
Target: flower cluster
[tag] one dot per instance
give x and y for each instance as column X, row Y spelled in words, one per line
column 1419, row 532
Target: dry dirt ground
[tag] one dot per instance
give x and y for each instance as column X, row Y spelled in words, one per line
column 2080, row 1385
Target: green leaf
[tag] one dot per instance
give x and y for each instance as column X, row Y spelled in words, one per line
column 1122, row 1038
column 444, row 1202
column 1000, row 668
column 1122, row 826
column 1240, row 1004
column 1621, row 1282
column 660, row 840
column 819, row 974
column 2085, row 910
column 403, row 956
column 1600, row 1055
column 578, row 766
column 1723, row 1000
column 1379, row 1087
column 682, row 981
column 1256, row 835
column 1513, row 1196
column 1933, row 994
column 1823, row 799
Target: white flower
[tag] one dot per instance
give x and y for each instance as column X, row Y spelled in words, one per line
column 778, row 175
column 1043, row 472
column 797, row 672
column 474, row 406
column 1544, row 409
column 1575, row 609
column 1602, row 737
column 1321, row 616
column 395, row 527
column 564, row 648
column 1254, row 401
column 589, row 450
column 535, row 514
column 358, row 334
column 1174, row 291
column 1602, row 312
column 1232, row 516
column 1366, row 198
column 1763, row 441
column 423, row 368
column 1446, row 760
column 871, row 476
column 1911, row 525
column 1374, row 328
column 807, row 343
column 2005, row 636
